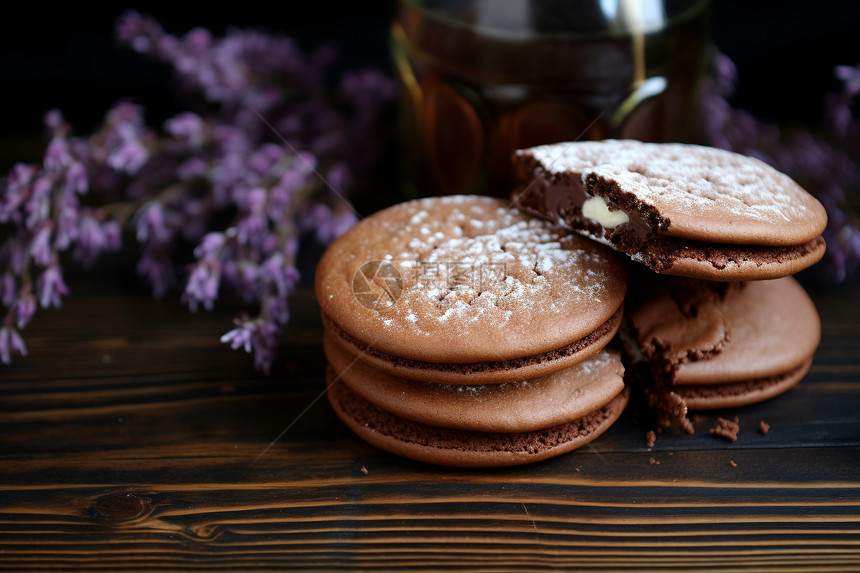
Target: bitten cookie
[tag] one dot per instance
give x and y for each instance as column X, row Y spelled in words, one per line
column 708, row 345
column 468, row 290
column 680, row 209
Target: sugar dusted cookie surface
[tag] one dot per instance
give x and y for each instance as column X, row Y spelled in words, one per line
column 471, row 281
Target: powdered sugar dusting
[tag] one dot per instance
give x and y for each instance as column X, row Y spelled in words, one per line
column 684, row 178
column 467, row 279
column 487, row 262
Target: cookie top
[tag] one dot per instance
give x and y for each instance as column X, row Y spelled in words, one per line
column 758, row 330
column 519, row 406
column 694, row 192
column 465, row 279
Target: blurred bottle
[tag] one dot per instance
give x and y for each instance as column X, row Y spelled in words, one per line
column 482, row 78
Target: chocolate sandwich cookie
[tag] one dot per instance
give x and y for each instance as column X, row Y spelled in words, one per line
column 680, row 209
column 453, row 446
column 468, row 290
column 714, row 345
column 521, row 406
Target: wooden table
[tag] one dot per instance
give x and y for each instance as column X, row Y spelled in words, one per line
column 132, row 438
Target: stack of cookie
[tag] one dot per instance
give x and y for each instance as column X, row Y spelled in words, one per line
column 464, row 331
column 714, row 318
column 461, row 331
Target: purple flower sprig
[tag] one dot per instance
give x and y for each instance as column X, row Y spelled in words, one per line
column 286, row 151
column 840, row 106
column 42, row 215
column 824, row 164
column 280, row 151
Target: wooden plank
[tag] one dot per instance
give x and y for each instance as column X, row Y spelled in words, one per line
column 131, row 438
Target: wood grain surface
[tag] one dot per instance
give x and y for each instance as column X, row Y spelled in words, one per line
column 133, row 439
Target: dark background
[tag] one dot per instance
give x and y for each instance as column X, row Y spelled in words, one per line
column 65, row 56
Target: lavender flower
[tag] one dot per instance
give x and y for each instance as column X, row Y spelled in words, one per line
column 252, row 227
column 128, row 156
column 840, row 106
column 278, row 277
column 851, row 78
column 254, row 335
column 210, row 247
column 825, row 170
column 138, row 31
column 274, row 125
column 8, row 288
column 15, row 192
column 58, row 156
column 240, row 337
column 38, row 205
column 51, row 287
column 43, row 217
column 41, row 246
column 10, row 341
column 24, row 308
column 75, row 179
column 155, row 269
column 189, row 127
column 94, row 237
column 151, row 225
column 202, row 286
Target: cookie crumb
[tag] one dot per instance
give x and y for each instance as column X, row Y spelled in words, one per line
column 727, row 429
column 733, row 464
column 651, row 437
column 763, row 427
column 364, row 470
column 576, row 469
column 669, row 408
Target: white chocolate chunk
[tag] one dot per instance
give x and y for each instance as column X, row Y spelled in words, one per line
column 595, row 208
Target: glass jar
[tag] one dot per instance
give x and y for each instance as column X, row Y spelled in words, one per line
column 482, row 78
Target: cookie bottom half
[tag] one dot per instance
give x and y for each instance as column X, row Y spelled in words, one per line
column 736, row 394
column 463, row 448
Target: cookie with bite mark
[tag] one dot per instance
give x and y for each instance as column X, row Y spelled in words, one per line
column 702, row 345
column 680, row 209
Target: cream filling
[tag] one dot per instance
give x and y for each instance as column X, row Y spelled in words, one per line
column 596, row 209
